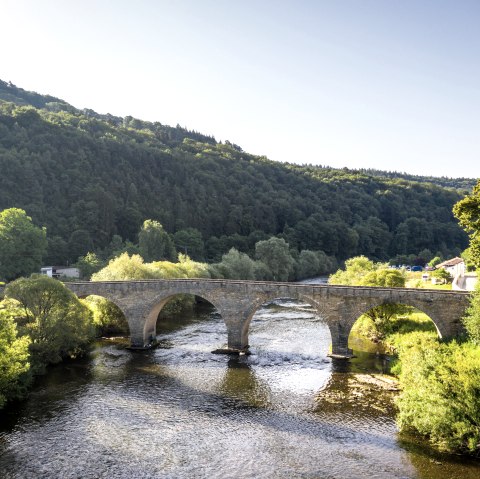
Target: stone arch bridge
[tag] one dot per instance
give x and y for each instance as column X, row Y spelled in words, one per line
column 237, row 302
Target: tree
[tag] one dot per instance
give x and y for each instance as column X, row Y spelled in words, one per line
column 58, row 324
column 79, row 243
column 468, row 213
column 57, row 251
column 22, row 244
column 234, row 265
column 275, row 254
column 155, row 243
column 308, row 264
column 108, row 318
column 472, row 318
column 14, row 359
column 89, row 264
column 190, row 241
column 355, row 270
column 440, row 394
column 124, row 267
column 442, row 274
column 361, row 271
column 434, row 261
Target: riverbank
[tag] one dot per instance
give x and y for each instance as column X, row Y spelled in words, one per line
column 269, row 415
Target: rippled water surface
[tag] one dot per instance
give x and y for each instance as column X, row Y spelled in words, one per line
column 179, row 411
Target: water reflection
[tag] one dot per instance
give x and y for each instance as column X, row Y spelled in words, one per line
column 240, row 382
column 286, row 411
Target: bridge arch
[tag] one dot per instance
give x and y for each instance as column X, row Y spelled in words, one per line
column 112, row 299
column 155, row 306
column 401, row 318
column 237, row 301
column 270, row 298
column 109, row 318
column 421, row 306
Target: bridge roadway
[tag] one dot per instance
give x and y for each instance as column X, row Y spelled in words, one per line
column 237, row 301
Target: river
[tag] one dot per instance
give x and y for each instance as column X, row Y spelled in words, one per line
column 285, row 411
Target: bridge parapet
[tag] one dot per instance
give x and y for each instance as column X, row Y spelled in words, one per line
column 237, row 301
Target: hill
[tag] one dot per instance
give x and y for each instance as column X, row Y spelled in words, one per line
column 87, row 177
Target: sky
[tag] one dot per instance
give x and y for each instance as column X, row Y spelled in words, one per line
column 386, row 84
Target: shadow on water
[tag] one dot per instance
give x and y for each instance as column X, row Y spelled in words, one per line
column 59, row 386
column 179, row 411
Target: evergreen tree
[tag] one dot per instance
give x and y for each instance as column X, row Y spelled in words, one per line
column 155, row 243
column 22, row 244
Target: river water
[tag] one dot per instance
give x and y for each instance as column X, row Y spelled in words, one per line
column 285, row 411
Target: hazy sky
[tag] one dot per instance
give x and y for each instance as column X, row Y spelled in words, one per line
column 392, row 84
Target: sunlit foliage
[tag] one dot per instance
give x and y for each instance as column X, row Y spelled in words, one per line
column 468, row 213
column 54, row 319
column 14, row 359
column 440, row 396
column 472, row 318
column 125, row 267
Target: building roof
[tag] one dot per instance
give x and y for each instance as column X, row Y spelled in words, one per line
column 450, row 262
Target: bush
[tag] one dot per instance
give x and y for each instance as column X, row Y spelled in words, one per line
column 55, row 320
column 108, row 318
column 14, row 360
column 472, row 318
column 441, row 394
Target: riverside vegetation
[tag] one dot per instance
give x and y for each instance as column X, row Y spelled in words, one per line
column 439, row 380
column 317, row 218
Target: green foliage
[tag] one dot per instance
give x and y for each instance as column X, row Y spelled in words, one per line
column 14, row 359
column 95, row 166
column 275, row 254
column 190, row 241
column 124, row 267
column 440, row 396
column 80, row 240
column 354, row 272
column 184, row 268
column 234, row 265
column 469, row 259
column 88, row 265
column 22, row 244
column 57, row 323
column 468, row 213
column 107, row 316
column 472, row 317
column 384, row 277
column 441, row 382
column 441, row 274
column 308, row 264
column 434, row 261
column 155, row 243
column 361, row 271
column 405, row 328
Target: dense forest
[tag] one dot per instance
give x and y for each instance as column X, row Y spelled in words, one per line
column 88, row 177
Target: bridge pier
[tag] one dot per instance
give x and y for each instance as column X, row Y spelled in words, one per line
column 340, row 347
column 237, row 339
column 137, row 338
column 237, row 301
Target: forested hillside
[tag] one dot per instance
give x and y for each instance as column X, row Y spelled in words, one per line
column 87, row 177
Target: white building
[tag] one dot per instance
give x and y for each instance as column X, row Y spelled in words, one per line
column 60, row 272
column 465, row 282
column 455, row 266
